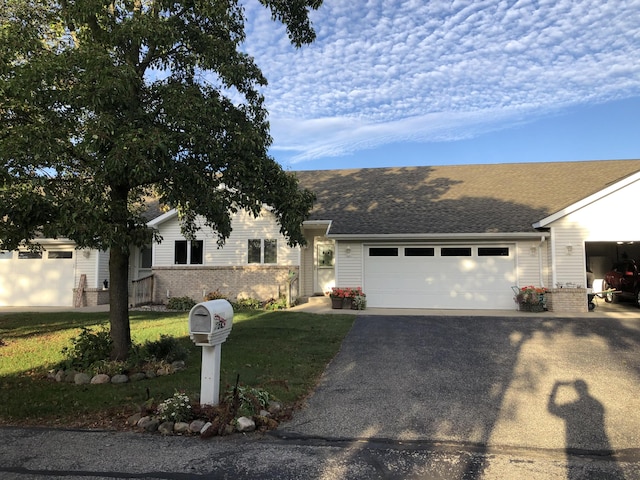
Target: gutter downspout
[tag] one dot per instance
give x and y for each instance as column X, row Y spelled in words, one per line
column 554, row 277
column 542, row 240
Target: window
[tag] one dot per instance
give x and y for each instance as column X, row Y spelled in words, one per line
column 383, row 252
column 257, row 254
column 28, row 255
column 6, row 254
column 188, row 252
column 59, row 254
column 270, row 251
column 419, row 252
column 455, row 252
column 145, row 257
column 493, row 251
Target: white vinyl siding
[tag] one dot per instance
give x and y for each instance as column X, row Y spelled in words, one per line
column 234, row 251
column 604, row 220
column 532, row 261
column 349, row 264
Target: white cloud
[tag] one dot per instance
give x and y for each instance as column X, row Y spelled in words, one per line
column 383, row 71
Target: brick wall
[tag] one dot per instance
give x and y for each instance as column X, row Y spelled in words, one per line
column 261, row 282
column 567, row 300
column 93, row 296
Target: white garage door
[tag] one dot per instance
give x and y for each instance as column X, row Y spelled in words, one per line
column 454, row 277
column 37, row 278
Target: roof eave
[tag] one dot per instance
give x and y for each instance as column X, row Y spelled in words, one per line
column 440, row 236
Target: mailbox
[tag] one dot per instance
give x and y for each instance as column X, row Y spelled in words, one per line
column 210, row 322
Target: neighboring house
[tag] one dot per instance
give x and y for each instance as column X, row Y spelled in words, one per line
column 416, row 237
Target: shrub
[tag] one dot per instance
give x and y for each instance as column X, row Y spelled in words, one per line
column 168, row 348
column 249, row 400
column 181, row 303
column 215, row 295
column 88, row 348
column 273, row 304
column 247, row 304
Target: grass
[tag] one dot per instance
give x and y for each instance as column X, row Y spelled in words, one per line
column 281, row 352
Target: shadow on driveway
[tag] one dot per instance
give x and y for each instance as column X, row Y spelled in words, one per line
column 480, row 382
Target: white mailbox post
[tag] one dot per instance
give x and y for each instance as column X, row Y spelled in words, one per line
column 209, row 326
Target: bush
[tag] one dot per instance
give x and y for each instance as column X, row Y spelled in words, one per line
column 215, row 295
column 247, row 304
column 249, row 400
column 182, row 304
column 273, row 304
column 167, row 348
column 88, row 348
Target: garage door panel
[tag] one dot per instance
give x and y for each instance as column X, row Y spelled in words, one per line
column 36, row 281
column 469, row 282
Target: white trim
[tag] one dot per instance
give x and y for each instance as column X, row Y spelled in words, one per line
column 586, row 201
column 162, row 218
column 439, row 236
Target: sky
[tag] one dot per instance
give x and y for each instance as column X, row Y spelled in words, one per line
column 419, row 82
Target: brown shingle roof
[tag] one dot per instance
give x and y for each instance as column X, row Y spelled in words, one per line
column 497, row 198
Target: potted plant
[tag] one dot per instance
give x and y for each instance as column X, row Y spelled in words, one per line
column 337, row 296
column 531, row 298
column 359, row 301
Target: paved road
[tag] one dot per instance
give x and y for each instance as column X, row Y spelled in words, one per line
column 409, row 397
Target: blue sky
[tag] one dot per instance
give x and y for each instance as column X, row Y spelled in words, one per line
column 435, row 82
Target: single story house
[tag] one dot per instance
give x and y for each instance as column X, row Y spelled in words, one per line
column 446, row 237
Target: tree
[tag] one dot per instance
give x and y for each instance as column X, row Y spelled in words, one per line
column 104, row 103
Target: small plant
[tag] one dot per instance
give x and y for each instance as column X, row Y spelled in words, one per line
column 273, row 304
column 176, row 408
column 88, row 348
column 168, row 348
column 247, row 304
column 215, row 295
column 360, row 301
column 249, row 400
column 182, row 304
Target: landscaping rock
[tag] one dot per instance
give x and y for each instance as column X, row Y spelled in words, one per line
column 59, row 376
column 100, row 379
column 69, row 376
column 205, row 431
column 136, row 377
column 166, row 428
column 181, row 427
column 120, row 378
column 196, row 426
column 81, row 379
column 150, row 424
column 245, row 424
column 264, row 413
column 134, row 419
column 150, row 374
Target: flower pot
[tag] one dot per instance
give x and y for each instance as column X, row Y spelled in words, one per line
column 527, row 307
column 348, row 303
column 336, row 302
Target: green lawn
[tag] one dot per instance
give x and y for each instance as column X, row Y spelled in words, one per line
column 281, row 352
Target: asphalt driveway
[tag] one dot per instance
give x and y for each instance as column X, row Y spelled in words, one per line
column 571, row 385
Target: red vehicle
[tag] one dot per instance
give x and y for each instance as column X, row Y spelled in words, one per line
column 625, row 279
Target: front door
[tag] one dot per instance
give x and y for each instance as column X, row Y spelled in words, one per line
column 325, row 276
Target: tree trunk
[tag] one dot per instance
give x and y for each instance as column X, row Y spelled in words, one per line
column 119, row 303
